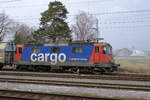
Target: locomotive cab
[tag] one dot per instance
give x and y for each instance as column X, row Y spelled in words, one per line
column 103, row 54
column 103, row 58
column 107, row 56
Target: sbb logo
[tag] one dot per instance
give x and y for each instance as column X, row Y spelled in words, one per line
column 53, row 58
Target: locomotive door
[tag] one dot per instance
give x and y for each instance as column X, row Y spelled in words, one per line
column 18, row 54
column 97, row 54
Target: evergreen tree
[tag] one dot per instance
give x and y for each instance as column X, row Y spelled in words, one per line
column 52, row 23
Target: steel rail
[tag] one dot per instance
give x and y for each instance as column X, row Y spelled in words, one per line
column 78, row 84
column 28, row 95
column 129, row 77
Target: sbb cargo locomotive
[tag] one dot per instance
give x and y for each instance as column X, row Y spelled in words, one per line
column 95, row 57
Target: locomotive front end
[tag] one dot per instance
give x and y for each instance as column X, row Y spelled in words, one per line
column 103, row 58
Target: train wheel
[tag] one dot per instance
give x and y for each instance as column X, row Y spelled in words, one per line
column 22, row 68
column 108, row 70
column 42, row 69
column 31, row 68
column 18, row 68
column 81, row 70
column 97, row 72
column 74, row 70
column 78, row 71
column 1, row 66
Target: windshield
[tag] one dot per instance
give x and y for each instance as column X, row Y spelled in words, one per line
column 107, row 49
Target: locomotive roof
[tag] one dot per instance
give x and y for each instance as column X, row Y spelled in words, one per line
column 67, row 44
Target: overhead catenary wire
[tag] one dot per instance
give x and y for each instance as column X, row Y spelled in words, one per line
column 112, row 21
column 9, row 1
column 46, row 4
column 115, row 21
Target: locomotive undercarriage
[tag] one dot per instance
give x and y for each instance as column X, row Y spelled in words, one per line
column 96, row 69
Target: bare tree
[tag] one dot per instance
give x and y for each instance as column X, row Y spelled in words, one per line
column 86, row 26
column 5, row 25
column 23, row 34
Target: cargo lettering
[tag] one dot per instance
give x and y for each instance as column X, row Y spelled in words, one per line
column 53, row 58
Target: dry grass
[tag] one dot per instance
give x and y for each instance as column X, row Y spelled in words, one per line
column 134, row 65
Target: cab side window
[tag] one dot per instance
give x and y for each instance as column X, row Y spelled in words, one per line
column 16, row 51
column 35, row 50
column 20, row 50
column 55, row 50
column 104, row 50
column 77, row 49
column 96, row 49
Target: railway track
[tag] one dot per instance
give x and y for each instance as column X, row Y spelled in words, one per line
column 79, row 84
column 23, row 95
column 72, row 81
column 112, row 76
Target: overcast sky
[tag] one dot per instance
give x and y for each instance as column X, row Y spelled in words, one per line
column 123, row 23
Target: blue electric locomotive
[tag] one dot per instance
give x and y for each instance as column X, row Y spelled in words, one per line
column 76, row 57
